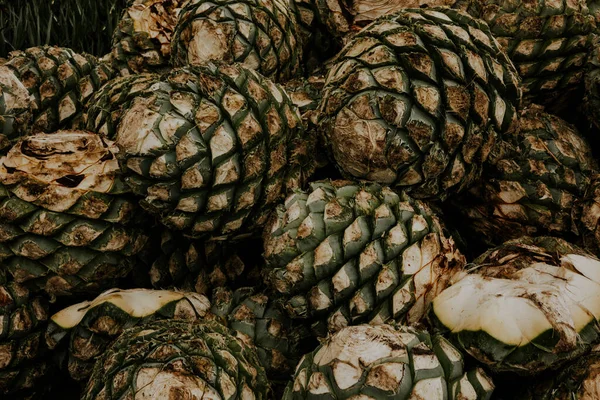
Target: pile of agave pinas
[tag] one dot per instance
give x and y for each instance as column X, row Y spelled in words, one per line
column 305, row 199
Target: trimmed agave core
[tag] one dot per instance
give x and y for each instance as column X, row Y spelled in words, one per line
column 178, row 359
column 527, row 305
column 15, row 107
column 260, row 34
column 211, row 149
column 345, row 253
column 417, row 99
column 84, row 330
column 65, row 213
column 376, row 362
column 142, row 41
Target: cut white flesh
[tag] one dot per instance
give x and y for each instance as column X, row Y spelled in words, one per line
column 536, row 299
column 135, row 302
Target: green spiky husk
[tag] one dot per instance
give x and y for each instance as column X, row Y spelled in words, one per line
column 142, row 40
column 23, row 319
column 77, row 347
column 547, row 41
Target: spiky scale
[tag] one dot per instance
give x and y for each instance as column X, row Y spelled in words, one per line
column 259, row 34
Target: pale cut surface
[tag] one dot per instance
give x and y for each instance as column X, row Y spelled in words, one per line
column 17, row 102
column 517, row 310
column 66, row 164
column 136, row 302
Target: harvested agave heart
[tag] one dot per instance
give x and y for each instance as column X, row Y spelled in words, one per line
column 211, row 150
column 344, row 253
column 65, row 214
column 548, row 41
column 15, row 107
column 178, row 359
column 580, row 380
column 81, row 333
column 387, row 362
column 342, row 18
column 258, row 318
column 259, row 34
column 587, row 216
column 531, row 183
column 416, row 101
column 142, row 40
column 23, row 361
column 591, row 99
column 526, row 306
column 59, row 81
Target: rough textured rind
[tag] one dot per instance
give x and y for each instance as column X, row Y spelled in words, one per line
column 142, row 40
column 587, row 216
column 376, row 362
column 175, row 359
column 548, row 41
column 259, row 319
column 260, row 34
column 591, row 100
column 579, row 380
column 200, row 266
column 344, row 253
column 65, row 214
column 59, row 81
column 531, row 182
column 211, row 149
column 15, row 107
column 23, row 318
column 81, row 333
column 417, row 99
column 526, row 306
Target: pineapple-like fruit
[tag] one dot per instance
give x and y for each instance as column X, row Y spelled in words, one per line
column 178, row 359
column 15, row 107
column 65, row 214
column 23, row 318
column 530, row 183
column 579, row 380
column 260, row 34
column 342, row 18
column 59, row 81
column 526, row 306
column 417, row 99
column 385, row 362
column 142, row 40
column 547, row 41
column 591, row 99
column 84, row 331
column 587, row 217
column 259, row 319
column 344, row 253
column 199, row 266
column 211, row 150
